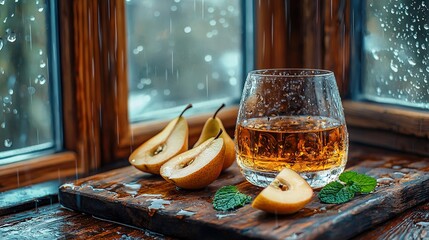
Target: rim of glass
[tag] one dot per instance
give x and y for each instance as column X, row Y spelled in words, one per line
column 268, row 72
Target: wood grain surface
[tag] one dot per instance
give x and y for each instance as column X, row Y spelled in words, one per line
column 54, row 222
column 128, row 196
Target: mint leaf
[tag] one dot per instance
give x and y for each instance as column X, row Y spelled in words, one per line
column 336, row 192
column 347, row 177
column 229, row 198
column 366, row 183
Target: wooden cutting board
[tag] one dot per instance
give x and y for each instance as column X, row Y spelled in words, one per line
column 134, row 198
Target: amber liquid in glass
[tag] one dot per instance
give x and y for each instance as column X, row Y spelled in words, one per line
column 301, row 143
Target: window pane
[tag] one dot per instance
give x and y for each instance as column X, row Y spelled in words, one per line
column 26, row 122
column 183, row 51
column 396, row 43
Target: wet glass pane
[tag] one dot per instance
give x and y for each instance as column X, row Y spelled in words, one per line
column 26, row 120
column 396, row 42
column 183, row 51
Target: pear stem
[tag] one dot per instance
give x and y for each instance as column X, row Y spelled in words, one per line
column 218, row 134
column 221, row 106
column 186, row 108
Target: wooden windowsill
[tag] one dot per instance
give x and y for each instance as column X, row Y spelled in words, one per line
column 41, row 169
column 382, row 125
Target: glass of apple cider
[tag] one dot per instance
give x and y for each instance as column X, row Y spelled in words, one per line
column 291, row 118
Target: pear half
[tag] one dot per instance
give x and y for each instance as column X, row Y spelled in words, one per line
column 287, row 194
column 211, row 128
column 172, row 140
column 197, row 167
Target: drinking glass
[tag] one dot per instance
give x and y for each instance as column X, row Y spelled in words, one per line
column 291, row 118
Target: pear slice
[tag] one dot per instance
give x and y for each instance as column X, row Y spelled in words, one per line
column 288, row 193
column 211, row 128
column 172, row 140
column 197, row 167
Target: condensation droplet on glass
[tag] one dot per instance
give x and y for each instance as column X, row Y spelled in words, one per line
column 40, row 52
column 15, row 111
column 167, row 92
column 187, row 29
column 42, row 64
column 10, row 91
column 426, row 26
column 32, row 18
column 173, row 8
column 3, row 125
column 40, row 9
column 31, row 90
column 2, row 2
column 1, row 43
column 7, row 143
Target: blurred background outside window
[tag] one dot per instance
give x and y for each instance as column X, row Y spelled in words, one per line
column 183, row 51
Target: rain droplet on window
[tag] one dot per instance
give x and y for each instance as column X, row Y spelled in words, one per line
column 187, row 29
column 42, row 64
column 200, row 86
column 31, row 90
column 11, row 36
column 7, row 143
column 233, row 81
column 208, row 58
column 393, row 66
column 40, row 79
column 7, row 99
column 411, row 61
